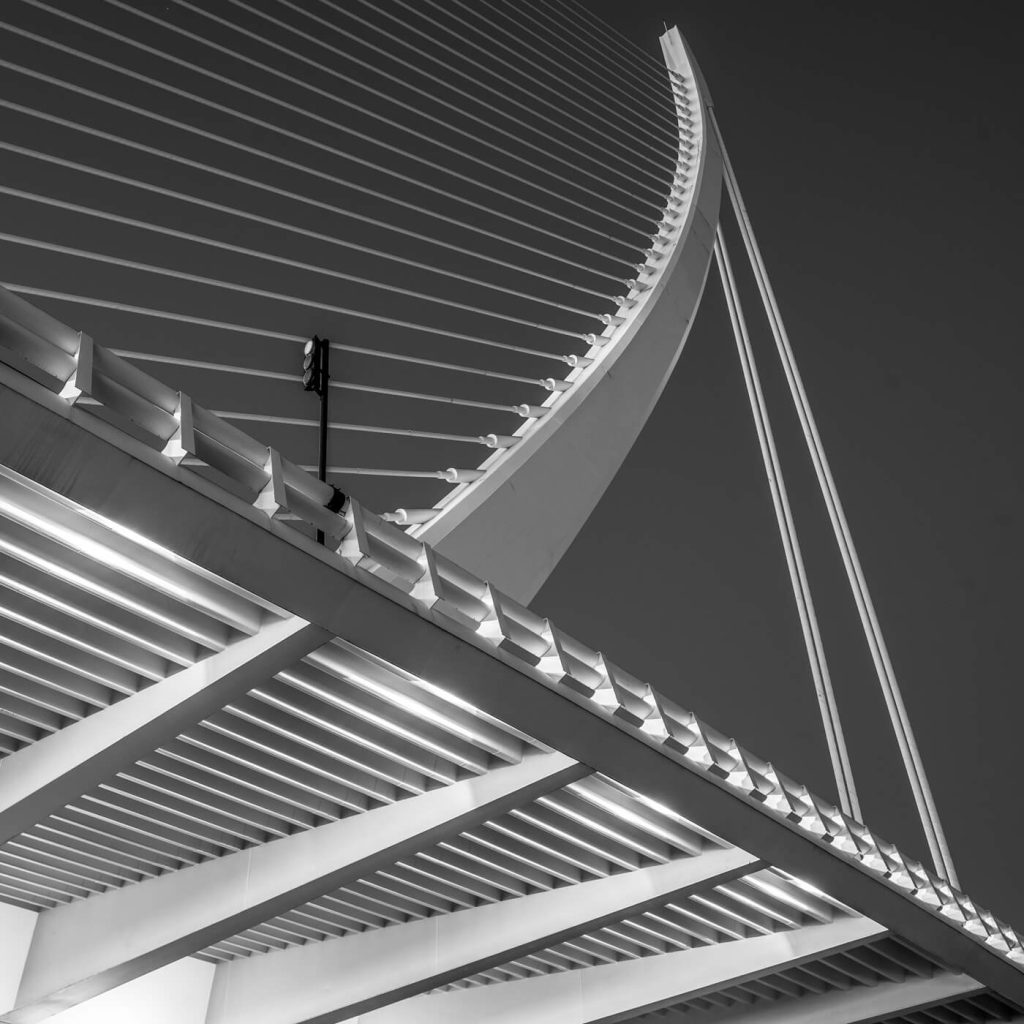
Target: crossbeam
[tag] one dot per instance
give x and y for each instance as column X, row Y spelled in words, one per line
column 84, row 948
column 339, row 978
column 619, row 991
column 46, row 776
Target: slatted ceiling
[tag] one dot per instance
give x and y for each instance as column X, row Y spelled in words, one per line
column 316, row 724
column 418, row 751
column 62, row 630
column 45, row 849
column 724, row 913
column 870, row 964
column 578, row 812
column 64, row 662
column 409, row 698
column 651, row 818
column 339, row 733
column 311, row 797
column 78, row 838
column 547, row 843
column 362, row 768
column 336, row 734
column 90, row 614
column 181, row 807
column 982, row 1008
column 64, row 537
column 113, row 627
column 330, row 775
column 393, row 722
column 163, row 773
column 75, row 572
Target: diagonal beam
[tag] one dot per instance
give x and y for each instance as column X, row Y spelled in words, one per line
column 860, row 1005
column 84, row 948
column 620, row 991
column 339, row 978
column 49, row 774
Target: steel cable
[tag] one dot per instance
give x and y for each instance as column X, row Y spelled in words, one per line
column 564, row 23
column 223, row 325
column 925, row 803
column 670, row 129
column 661, row 155
column 293, row 421
column 641, row 91
column 294, row 378
column 284, row 162
column 242, row 250
column 445, row 82
column 314, row 143
column 208, row 204
column 181, row 275
column 418, row 111
column 639, row 128
column 646, row 61
column 421, row 136
column 790, row 542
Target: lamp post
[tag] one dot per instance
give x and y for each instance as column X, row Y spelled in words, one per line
column 316, row 376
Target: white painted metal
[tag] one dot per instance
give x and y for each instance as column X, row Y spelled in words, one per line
column 45, row 776
column 90, row 946
column 616, row 992
column 536, row 496
column 340, row 978
column 176, row 994
column 16, row 927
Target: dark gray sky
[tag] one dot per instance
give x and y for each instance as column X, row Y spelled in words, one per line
column 879, row 150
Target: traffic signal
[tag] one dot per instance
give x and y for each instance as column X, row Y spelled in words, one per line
column 314, row 365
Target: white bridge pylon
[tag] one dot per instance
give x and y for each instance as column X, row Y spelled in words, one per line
column 514, row 524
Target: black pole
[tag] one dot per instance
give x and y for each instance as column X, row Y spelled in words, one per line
column 325, row 390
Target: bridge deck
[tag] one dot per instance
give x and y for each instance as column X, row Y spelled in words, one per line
column 364, row 782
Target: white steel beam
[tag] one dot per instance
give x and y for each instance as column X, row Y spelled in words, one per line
column 339, row 978
column 47, row 775
column 176, row 994
column 90, row 946
column 619, row 991
column 863, row 1004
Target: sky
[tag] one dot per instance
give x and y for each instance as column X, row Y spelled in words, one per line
column 879, row 150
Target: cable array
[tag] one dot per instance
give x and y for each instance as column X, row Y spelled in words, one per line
column 790, row 543
column 909, row 752
column 406, row 181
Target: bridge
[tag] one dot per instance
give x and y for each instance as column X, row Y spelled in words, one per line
column 284, row 742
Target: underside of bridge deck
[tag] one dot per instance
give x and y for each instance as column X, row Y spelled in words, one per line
column 247, row 779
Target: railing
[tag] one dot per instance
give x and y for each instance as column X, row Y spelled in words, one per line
column 81, row 372
column 85, row 373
